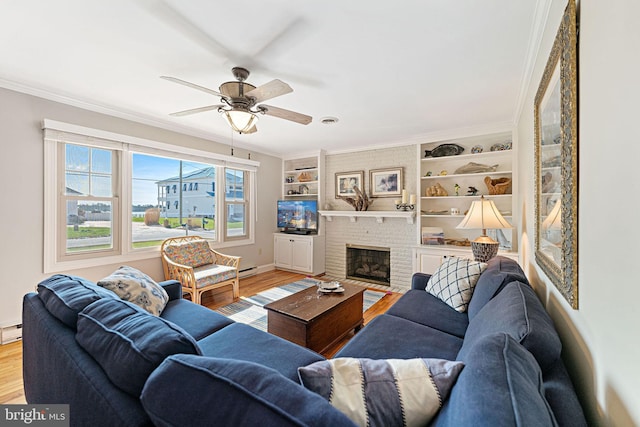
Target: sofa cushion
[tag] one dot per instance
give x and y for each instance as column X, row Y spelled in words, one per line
column 243, row 342
column 500, row 271
column 231, row 393
column 129, row 343
column 212, row 273
column 391, row 337
column 517, row 311
column 500, row 385
column 134, row 286
column 192, row 254
column 426, row 309
column 196, row 320
column 454, row 280
column 66, row 296
column 385, row 393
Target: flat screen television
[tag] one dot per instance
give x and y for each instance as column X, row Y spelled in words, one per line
column 298, row 216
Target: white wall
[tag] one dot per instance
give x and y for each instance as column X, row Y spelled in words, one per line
column 21, row 175
column 601, row 338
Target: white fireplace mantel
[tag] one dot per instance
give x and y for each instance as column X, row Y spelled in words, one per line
column 378, row 215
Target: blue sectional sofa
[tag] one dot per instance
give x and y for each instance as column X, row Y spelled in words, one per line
column 116, row 364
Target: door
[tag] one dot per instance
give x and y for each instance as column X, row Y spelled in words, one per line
column 283, row 252
column 302, row 254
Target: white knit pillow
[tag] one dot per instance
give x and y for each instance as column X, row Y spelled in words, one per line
column 455, row 280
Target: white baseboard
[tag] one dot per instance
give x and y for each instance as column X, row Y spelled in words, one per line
column 10, row 334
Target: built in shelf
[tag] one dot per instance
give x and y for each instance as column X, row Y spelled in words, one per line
column 378, row 215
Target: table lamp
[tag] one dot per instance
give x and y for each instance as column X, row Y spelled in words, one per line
column 552, row 224
column 484, row 214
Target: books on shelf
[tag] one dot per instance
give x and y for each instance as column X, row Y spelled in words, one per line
column 432, row 236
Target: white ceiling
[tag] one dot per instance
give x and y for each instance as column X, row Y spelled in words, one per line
column 391, row 72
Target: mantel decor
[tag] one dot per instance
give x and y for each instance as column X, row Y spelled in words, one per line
column 346, row 181
column 386, row 182
column 556, row 156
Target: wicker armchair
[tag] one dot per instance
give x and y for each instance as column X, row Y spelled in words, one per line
column 197, row 267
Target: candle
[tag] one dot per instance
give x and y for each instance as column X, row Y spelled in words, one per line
column 412, row 199
column 404, row 196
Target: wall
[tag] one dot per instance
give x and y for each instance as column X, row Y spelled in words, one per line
column 21, row 172
column 394, row 233
column 600, row 338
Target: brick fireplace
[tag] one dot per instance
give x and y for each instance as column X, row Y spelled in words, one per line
column 369, row 263
column 396, row 235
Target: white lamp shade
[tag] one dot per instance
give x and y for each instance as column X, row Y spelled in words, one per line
column 483, row 214
column 240, row 120
column 553, row 220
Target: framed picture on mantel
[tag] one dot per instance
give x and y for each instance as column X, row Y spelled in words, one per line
column 345, row 181
column 385, row 182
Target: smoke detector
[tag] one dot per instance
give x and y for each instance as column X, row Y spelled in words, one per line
column 329, row 120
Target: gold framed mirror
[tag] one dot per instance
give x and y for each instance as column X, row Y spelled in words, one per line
column 556, row 155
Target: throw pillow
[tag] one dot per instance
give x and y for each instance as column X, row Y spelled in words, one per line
column 129, row 343
column 134, row 286
column 229, row 392
column 390, row 392
column 454, row 281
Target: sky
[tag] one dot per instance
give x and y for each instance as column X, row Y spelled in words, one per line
column 147, row 170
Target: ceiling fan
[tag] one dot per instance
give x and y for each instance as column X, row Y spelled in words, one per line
column 240, row 101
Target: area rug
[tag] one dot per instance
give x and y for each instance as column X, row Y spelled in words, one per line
column 249, row 310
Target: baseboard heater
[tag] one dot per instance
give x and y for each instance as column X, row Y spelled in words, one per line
column 248, row 271
column 11, row 333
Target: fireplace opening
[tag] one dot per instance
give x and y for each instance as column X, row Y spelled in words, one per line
column 369, row 264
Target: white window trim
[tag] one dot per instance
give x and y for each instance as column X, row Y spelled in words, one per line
column 56, row 132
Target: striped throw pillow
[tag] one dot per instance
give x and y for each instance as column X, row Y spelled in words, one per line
column 387, row 393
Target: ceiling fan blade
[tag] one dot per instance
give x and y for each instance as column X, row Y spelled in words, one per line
column 269, row 90
column 291, row 33
column 192, row 85
column 281, row 113
column 196, row 110
column 172, row 18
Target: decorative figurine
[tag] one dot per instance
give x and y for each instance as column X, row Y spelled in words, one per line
column 472, row 191
column 444, row 150
column 457, row 188
column 443, row 172
column 436, row 191
column 429, row 173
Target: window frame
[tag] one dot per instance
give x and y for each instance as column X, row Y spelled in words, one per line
column 56, row 134
column 245, row 202
column 61, row 230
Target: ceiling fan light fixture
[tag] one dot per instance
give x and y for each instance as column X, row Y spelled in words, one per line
column 240, row 120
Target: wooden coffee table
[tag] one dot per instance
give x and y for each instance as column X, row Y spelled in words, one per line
column 316, row 320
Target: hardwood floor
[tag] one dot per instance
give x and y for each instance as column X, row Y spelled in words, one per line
column 11, row 390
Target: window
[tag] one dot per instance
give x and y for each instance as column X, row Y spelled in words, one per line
column 89, row 176
column 235, row 200
column 110, row 198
